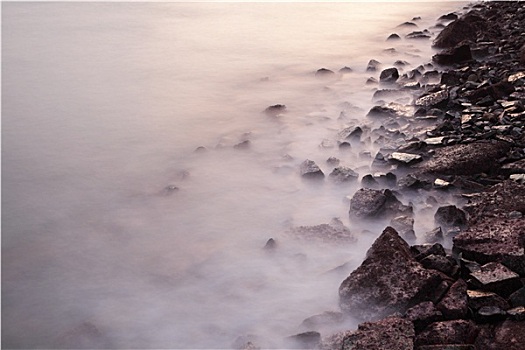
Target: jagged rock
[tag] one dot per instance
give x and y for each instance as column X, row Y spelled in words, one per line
column 508, row 335
column 497, row 278
column 458, row 54
column 373, row 65
column 271, row 244
column 495, row 91
column 479, row 298
column 448, row 332
column 450, row 216
column 310, row 170
column 454, row 304
column 432, row 99
column 370, row 203
column 389, row 280
column 351, row 133
column 440, row 263
column 462, row 29
column 389, row 76
column 404, row 225
column 392, row 333
column 465, row 159
column 306, row 340
column 333, row 161
column 494, row 240
column 343, row 174
column 423, row 314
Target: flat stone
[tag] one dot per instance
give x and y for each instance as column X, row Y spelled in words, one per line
column 389, row 280
column 497, row 278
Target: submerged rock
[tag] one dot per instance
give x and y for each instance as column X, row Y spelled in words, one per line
column 306, row 340
column 389, row 76
column 323, row 72
column 275, row 110
column 369, row 203
column 343, row 174
column 389, row 280
column 336, row 231
column 310, row 170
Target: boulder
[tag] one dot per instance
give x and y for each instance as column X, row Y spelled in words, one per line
column 369, row 203
column 493, row 239
column 448, row 332
column 389, row 76
column 454, row 304
column 389, row 280
column 392, row 333
column 450, row 216
column 310, row 170
column 462, row 29
column 497, row 278
column 456, row 55
column 343, row 174
column 275, row 109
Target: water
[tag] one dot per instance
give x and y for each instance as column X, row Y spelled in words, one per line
column 103, row 107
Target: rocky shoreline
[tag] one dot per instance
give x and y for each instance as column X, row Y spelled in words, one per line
column 464, row 139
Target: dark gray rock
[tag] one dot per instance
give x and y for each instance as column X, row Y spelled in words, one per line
column 271, row 244
column 440, row 263
column 421, row 251
column 275, row 109
column 373, row 65
column 389, row 76
column 389, row 280
column 456, row 55
column 463, row 29
column 343, row 174
column 419, row 35
column 310, row 170
column 346, row 70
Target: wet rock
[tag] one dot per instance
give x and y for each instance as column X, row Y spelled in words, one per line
column 489, row 314
column 389, row 280
column 454, row 304
column 169, row 190
column 462, row 29
column 456, row 55
column 423, row 314
column 328, row 319
column 448, row 17
column 373, row 65
column 465, row 159
column 323, row 72
column 478, row 299
column 368, row 181
column 393, row 36
column 494, row 240
column 440, row 263
column 343, row 174
column 448, row 332
column 275, row 110
column 306, row 340
column 370, row 203
column 404, row 225
column 371, row 81
column 497, row 278
column 450, row 216
column 432, row 99
column 508, row 335
column 271, row 244
column 310, row 170
column 389, row 76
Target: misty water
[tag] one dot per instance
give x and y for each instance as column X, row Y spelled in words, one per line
column 109, row 215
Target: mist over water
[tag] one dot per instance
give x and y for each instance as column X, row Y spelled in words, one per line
column 110, row 217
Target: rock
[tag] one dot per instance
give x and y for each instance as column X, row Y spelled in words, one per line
column 518, row 178
column 333, row 232
column 390, row 110
column 275, row 109
column 497, row 278
column 389, row 76
column 271, row 244
column 465, row 159
column 392, row 333
column 333, row 161
column 323, row 72
column 478, row 299
column 432, row 99
column 456, row 55
column 371, row 81
column 489, row 314
column 440, row 263
column 404, row 225
column 454, row 304
column 405, row 158
column 448, row 332
column 450, row 216
column 448, row 17
column 368, row 181
column 508, row 335
column 423, row 314
column 407, row 25
column 423, row 250
column 369, row 204
column 310, row 170
column 494, row 240
column 517, row 298
column 373, row 65
column 462, row 29
column 351, row 133
column 346, row 70
column 495, row 91
column 516, row 313
column 434, row 236
column 306, row 340
column 327, row 319
column 393, row 36
column 200, row 149
column 243, row 145
column 389, row 280
column 420, row 35
column 343, row 174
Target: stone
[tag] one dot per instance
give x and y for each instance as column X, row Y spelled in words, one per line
column 419, row 35
column 516, row 313
column 404, row 225
column 462, row 29
column 407, row 25
column 493, row 239
column 333, row 161
column 275, row 109
column 392, row 333
column 448, row 17
column 479, row 298
column 346, row 70
column 320, row 321
column 306, row 340
column 405, row 158
column 390, row 110
column 423, row 314
column 310, row 170
column 456, row 55
column 389, row 76
column 246, row 342
column 489, row 314
column 243, row 145
column 434, row 236
column 370, row 204
column 343, row 174
column 351, row 133
column 432, row 99
column 517, row 298
column 423, row 250
column 448, row 332
column 323, row 72
column 335, row 232
column 497, row 278
column 449, row 216
column 440, row 263
column 389, row 280
column 271, row 244
column 373, row 65
column 393, row 36
column 454, row 304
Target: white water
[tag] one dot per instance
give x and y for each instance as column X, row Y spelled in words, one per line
column 103, row 107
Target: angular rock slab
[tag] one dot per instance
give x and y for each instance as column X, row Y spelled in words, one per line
column 448, row 332
column 494, row 239
column 389, row 280
column 392, row 333
column 495, row 277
